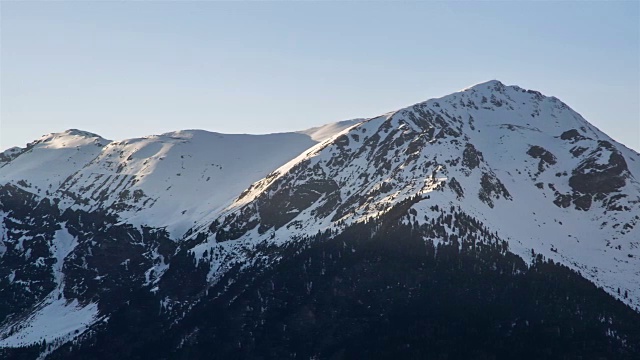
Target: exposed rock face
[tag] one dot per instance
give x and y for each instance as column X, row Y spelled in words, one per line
column 491, row 188
column 603, row 171
column 546, row 158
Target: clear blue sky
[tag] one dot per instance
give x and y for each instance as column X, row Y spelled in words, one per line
column 132, row 69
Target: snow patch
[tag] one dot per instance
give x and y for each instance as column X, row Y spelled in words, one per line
column 56, row 319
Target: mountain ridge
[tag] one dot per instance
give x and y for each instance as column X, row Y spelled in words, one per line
column 129, row 164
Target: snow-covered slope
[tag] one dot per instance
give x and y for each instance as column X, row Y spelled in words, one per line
column 526, row 165
column 324, row 132
column 163, row 180
column 44, row 164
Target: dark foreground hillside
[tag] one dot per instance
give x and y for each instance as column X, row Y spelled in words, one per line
column 378, row 290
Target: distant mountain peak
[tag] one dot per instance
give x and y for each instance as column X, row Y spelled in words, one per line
column 71, row 133
column 496, row 86
column 83, row 133
column 69, row 138
column 490, row 84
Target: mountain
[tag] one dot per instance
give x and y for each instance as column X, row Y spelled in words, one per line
column 495, row 216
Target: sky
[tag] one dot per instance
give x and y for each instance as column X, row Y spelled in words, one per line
column 131, row 69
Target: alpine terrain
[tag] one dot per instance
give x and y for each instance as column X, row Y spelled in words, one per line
column 492, row 223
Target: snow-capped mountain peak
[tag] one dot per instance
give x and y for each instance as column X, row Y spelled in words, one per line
column 69, row 138
column 489, row 150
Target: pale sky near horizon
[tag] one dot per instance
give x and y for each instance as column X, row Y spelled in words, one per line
column 130, row 69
